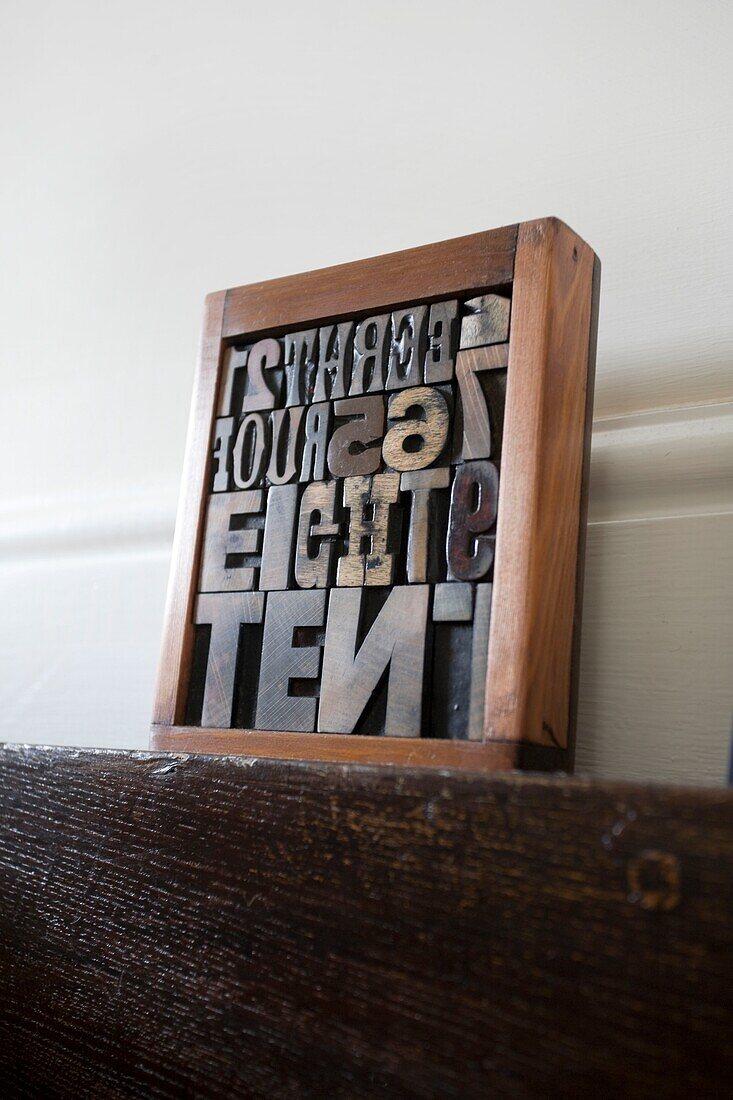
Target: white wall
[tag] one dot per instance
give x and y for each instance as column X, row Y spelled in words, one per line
column 152, row 152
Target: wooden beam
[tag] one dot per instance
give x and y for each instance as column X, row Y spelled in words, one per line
column 181, row 925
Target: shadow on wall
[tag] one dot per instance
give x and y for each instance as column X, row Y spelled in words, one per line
column 655, row 694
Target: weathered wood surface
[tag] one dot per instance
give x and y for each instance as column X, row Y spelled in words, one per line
column 199, row 926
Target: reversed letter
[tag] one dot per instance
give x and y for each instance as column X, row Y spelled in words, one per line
column 395, row 641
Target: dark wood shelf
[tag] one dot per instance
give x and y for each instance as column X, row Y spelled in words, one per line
column 222, row 926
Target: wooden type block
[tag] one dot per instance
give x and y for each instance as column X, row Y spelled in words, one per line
column 234, row 362
column 355, row 445
column 454, row 447
column 371, row 349
column 413, row 442
column 221, row 453
column 407, row 349
column 352, row 672
column 285, row 445
column 421, row 484
column 318, row 425
column 460, row 659
column 279, row 537
column 477, row 434
column 279, row 705
column 452, row 602
column 225, row 612
column 531, row 680
column 479, row 660
column 249, row 454
column 450, row 681
column 368, row 560
column 358, row 932
column 442, row 326
column 485, row 321
column 335, row 346
column 222, row 540
column 473, row 508
column 300, row 366
column 494, row 386
column 265, row 355
column 318, row 529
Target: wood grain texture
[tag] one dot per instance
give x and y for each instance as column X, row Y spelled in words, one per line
column 421, row 485
column 334, row 361
column 284, row 454
column 575, row 658
column 422, row 752
column 452, row 603
column 317, row 432
column 479, row 661
column 221, row 541
column 249, row 453
column 300, row 365
column 173, row 671
column 407, row 353
column 370, row 354
column 471, row 530
column 353, row 669
column 528, row 690
column 278, row 706
column 442, row 340
column 355, row 444
column 225, row 613
column 418, row 414
column 318, row 529
column 477, row 434
column 281, row 521
column 221, row 453
column 413, row 935
column 369, row 502
column 265, row 356
column 431, row 271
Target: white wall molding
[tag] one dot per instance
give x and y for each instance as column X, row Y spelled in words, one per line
column 668, row 462
column 124, row 521
column 692, row 371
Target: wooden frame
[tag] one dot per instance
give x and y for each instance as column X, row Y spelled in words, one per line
column 533, row 643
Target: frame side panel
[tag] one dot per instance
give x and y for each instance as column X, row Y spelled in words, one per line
column 425, row 752
column 583, row 531
column 528, row 682
column 177, row 630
